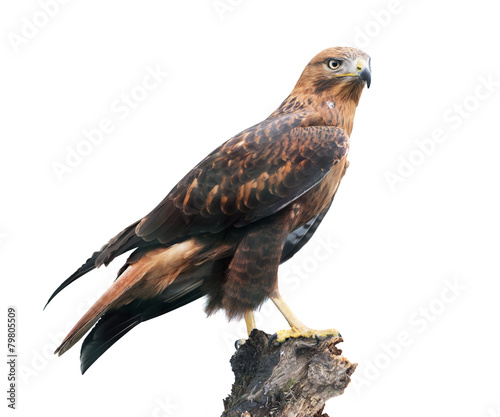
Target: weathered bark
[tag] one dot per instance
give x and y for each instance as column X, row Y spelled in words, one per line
column 294, row 378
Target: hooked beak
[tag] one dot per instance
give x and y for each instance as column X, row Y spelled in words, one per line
column 364, row 72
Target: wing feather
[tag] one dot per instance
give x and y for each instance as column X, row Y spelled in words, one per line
column 252, row 176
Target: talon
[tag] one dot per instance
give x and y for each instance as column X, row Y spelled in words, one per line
column 317, row 339
column 239, row 343
column 272, row 339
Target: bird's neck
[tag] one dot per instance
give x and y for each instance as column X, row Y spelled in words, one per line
column 335, row 110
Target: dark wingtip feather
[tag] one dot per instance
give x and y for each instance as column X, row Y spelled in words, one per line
column 88, row 266
column 121, row 243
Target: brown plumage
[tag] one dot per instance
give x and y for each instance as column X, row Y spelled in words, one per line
column 226, row 226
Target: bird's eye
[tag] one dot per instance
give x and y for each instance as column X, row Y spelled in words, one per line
column 334, row 64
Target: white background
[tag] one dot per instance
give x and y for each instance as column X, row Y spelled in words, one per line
column 395, row 248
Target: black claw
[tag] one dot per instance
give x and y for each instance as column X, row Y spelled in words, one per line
column 272, row 339
column 340, row 335
column 317, row 339
column 237, row 344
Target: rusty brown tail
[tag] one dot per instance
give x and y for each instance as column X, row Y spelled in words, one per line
column 111, row 298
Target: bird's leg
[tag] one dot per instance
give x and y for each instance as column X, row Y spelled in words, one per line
column 298, row 329
column 250, row 322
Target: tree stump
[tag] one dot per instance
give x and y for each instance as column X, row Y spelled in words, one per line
column 294, row 378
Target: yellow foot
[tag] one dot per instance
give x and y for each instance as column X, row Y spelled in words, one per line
column 282, row 335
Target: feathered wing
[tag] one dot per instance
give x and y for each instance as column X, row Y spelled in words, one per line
column 251, row 176
column 299, row 237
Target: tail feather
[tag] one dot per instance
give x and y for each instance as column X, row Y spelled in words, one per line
column 111, row 298
column 151, row 283
column 117, row 323
column 108, row 330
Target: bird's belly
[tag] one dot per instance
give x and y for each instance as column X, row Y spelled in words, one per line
column 320, row 196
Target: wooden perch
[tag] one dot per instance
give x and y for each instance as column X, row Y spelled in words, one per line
column 294, row 378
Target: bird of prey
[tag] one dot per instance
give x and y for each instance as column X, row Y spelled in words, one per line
column 225, row 228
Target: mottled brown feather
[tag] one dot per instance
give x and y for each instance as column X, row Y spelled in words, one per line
column 225, row 227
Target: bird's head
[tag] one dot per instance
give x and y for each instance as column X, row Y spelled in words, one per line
column 340, row 72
